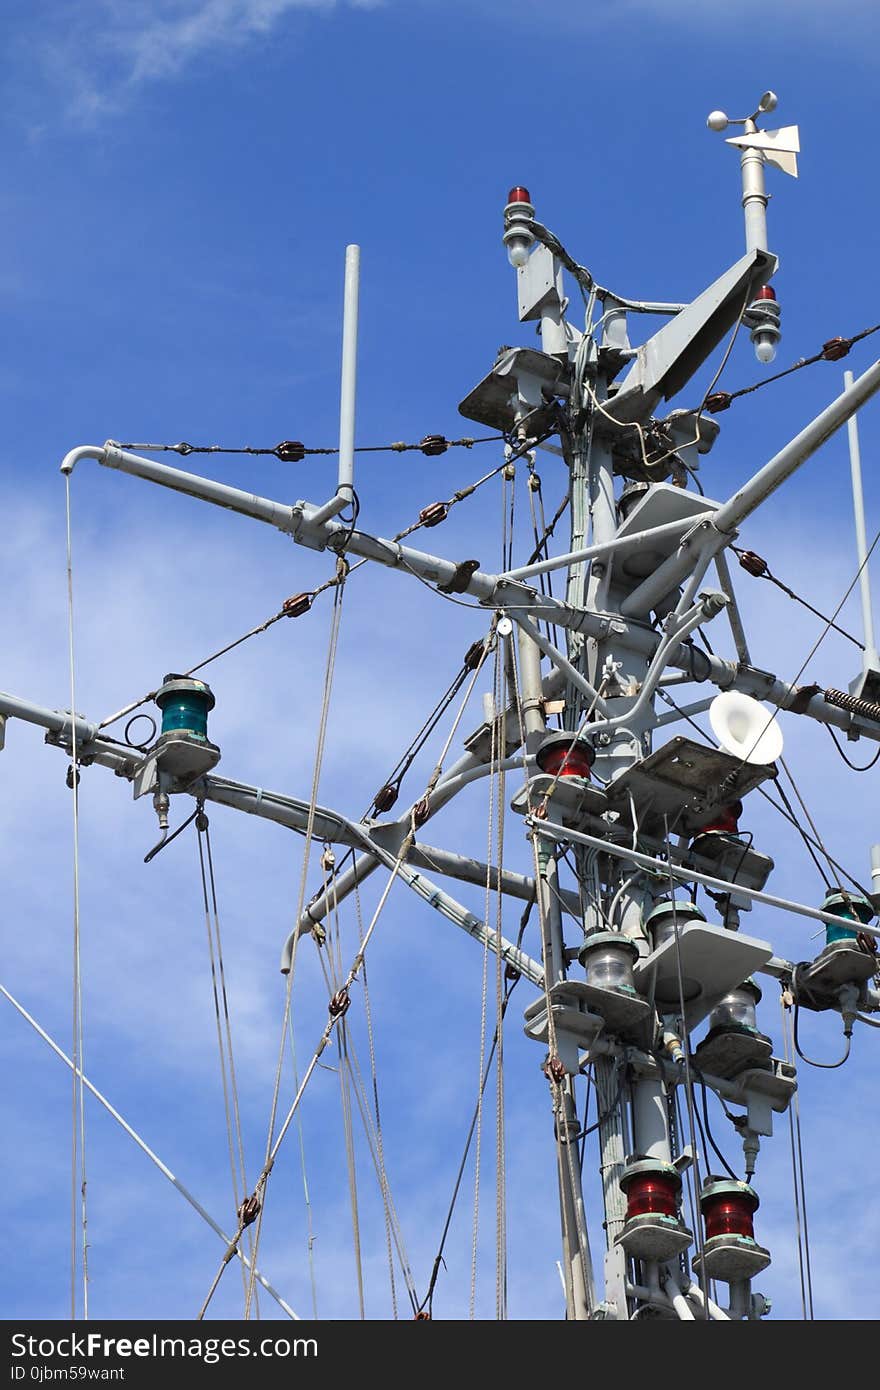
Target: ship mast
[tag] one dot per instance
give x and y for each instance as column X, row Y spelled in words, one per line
column 645, row 812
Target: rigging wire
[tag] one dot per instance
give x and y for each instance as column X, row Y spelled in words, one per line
column 254, row 1207
column 294, row 451
column 788, row 814
column 819, row 640
column 797, row 1176
column 832, row 351
column 344, row 1069
column 78, row 1178
column 310, row 1233
column 427, row 1303
column 757, row 567
column 500, row 1139
column 145, row 1148
column 380, row 1142
column 329, row 669
column 299, row 604
column 484, row 989
column 228, row 1078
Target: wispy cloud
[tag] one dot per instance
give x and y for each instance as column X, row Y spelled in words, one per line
column 104, row 51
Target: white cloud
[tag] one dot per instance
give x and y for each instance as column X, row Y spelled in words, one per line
column 101, row 52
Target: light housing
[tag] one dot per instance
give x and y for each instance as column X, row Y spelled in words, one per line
column 518, row 236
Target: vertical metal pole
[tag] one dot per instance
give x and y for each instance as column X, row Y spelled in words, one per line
column 754, row 197
column 855, row 465
column 576, row 1262
column 349, row 369
column 345, row 483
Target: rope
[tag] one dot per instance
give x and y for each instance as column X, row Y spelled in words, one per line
column 484, row 990
column 78, row 1125
column 330, row 666
column 344, row 1091
column 578, row 1239
column 501, row 1176
column 380, row 1143
column 428, row 1300
column 302, row 1158
column 231, row 1108
column 254, row 1207
column 803, row 1256
column 143, row 1146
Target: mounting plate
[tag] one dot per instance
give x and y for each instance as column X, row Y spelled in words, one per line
column 713, row 961
column 660, row 505
column 687, row 777
column 572, row 798
column 515, row 381
column 726, row 1052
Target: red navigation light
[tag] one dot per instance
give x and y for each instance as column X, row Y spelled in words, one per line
column 730, row 1211
column 519, row 195
column 727, row 821
column 567, row 762
column 766, row 292
column 652, row 1194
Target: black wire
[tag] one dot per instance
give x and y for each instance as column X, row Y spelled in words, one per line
column 867, row 767
column 825, row 1066
column 720, row 1155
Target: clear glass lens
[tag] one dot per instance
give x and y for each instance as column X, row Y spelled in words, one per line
column 765, row 348
column 518, row 250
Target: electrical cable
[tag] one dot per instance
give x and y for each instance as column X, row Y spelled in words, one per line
column 855, row 767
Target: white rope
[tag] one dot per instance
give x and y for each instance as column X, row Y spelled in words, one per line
column 228, row 1079
column 500, row 1167
column 258, row 1197
column 380, row 1144
column 78, row 1127
column 143, row 1146
column 484, row 995
column 310, row 1234
column 329, row 669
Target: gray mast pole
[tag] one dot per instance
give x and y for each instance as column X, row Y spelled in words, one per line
column 577, row 1264
column 870, row 659
column 855, row 464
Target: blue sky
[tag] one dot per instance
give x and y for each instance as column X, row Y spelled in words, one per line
column 180, row 180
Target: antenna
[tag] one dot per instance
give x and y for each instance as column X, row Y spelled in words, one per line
column 779, row 148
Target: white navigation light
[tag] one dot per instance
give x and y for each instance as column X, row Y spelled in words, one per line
column 744, row 728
